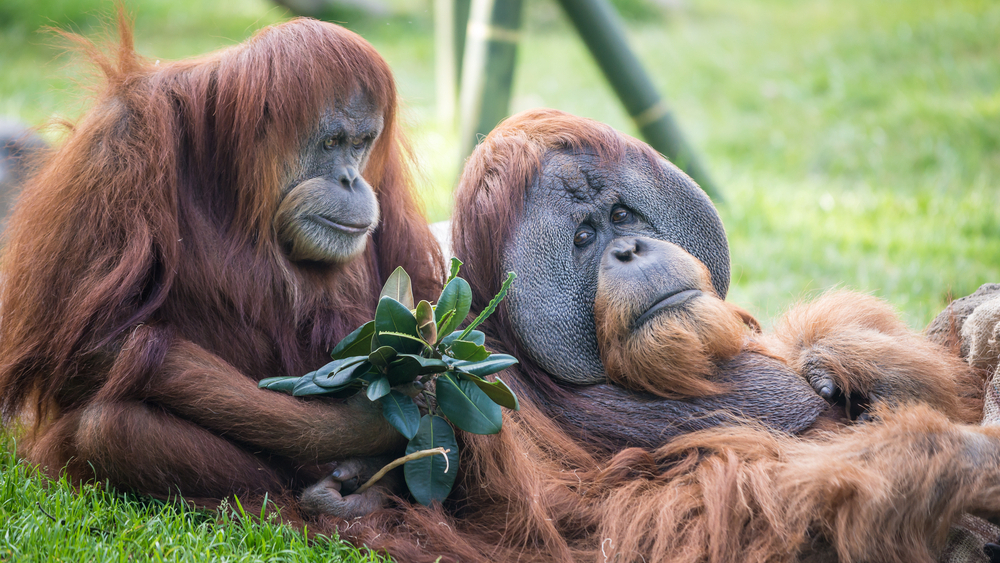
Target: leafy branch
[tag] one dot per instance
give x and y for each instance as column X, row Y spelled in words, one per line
column 409, row 343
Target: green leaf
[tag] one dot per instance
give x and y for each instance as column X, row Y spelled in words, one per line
column 378, row 389
column 457, row 296
column 285, row 384
column 511, row 276
column 425, row 477
column 427, row 365
column 491, row 365
column 405, row 336
column 464, row 350
column 393, row 316
column 474, row 336
column 443, row 320
column 455, row 265
column 466, row 406
column 401, row 412
column 403, row 369
column 426, row 325
column 398, row 287
column 306, row 386
column 382, row 356
column 355, row 344
column 497, row 391
column 345, row 391
column 339, row 365
column 347, row 373
column 406, row 367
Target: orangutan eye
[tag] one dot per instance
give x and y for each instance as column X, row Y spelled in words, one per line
column 583, row 237
column 620, row 215
column 329, row 143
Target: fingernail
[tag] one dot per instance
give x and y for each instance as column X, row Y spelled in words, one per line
column 338, row 474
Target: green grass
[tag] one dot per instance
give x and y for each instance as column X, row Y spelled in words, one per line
column 857, row 143
column 45, row 520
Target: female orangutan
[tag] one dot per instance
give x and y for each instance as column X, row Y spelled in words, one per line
column 210, row 223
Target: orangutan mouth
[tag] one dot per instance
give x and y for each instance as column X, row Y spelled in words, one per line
column 670, row 300
column 353, row 230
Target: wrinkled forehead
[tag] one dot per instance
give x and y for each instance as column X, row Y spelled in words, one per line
column 580, row 181
column 357, row 115
column 359, row 105
column 573, row 188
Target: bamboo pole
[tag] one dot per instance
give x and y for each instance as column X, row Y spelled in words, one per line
column 487, row 68
column 604, row 34
column 460, row 24
column 451, row 17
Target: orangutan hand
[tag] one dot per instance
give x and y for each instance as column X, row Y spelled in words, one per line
column 333, row 495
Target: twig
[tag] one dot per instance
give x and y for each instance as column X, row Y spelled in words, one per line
column 396, row 463
column 51, row 517
column 93, row 530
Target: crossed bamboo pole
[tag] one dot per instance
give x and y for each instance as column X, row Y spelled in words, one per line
column 476, row 44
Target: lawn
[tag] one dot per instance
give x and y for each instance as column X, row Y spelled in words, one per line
column 47, row 520
column 857, row 144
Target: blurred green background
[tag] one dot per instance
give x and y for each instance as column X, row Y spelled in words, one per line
column 857, row 142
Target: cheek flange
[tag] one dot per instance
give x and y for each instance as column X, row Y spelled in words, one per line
column 551, row 306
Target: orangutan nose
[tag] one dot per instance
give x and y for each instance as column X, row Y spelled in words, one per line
column 347, row 176
column 626, row 250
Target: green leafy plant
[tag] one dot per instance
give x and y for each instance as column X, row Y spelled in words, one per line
column 421, row 343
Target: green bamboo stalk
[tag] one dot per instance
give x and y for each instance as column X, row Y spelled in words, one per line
column 487, row 68
column 604, row 34
column 451, row 17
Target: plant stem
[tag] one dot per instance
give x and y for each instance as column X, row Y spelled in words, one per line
column 397, row 462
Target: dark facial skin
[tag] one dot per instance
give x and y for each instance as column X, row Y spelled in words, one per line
column 328, row 211
column 650, row 227
column 573, row 212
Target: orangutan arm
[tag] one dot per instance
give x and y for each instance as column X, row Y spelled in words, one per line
column 884, row 491
column 853, row 348
column 200, row 387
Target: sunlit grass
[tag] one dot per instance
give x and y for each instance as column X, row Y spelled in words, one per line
column 46, row 520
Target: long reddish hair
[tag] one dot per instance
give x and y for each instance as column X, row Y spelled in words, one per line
column 158, row 209
column 489, row 202
column 541, row 491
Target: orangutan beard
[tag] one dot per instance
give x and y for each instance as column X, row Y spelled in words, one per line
column 676, row 353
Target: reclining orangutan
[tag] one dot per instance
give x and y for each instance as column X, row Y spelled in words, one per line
column 210, row 223
column 735, row 457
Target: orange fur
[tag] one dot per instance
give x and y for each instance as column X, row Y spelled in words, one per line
column 883, row 492
column 886, row 491
column 674, row 355
column 868, row 350
column 144, row 289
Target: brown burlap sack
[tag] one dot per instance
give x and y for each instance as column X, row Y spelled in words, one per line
column 977, row 319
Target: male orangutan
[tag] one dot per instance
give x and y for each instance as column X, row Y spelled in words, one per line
column 662, row 329
column 704, row 463
column 207, row 224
